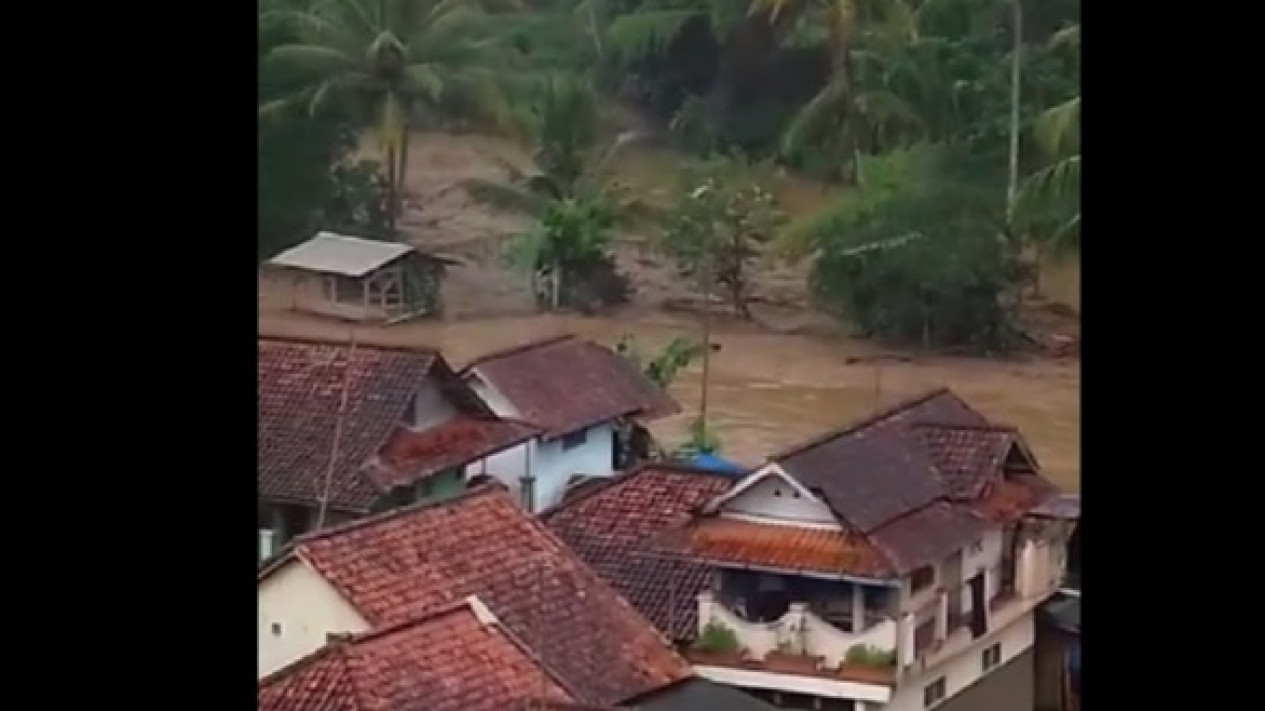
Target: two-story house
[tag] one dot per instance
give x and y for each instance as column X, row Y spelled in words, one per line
column 894, row 563
column 348, row 430
column 890, row 564
column 587, row 401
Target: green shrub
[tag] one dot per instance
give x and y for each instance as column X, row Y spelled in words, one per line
column 868, row 655
column 716, row 638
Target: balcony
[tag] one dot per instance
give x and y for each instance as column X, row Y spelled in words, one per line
column 801, row 641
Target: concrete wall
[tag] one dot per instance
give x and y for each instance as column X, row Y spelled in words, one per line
column 297, row 609
column 549, row 461
column 1006, row 687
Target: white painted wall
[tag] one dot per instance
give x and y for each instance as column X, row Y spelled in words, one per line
column 550, row 463
column 306, row 608
column 776, row 499
column 966, row 668
column 430, row 408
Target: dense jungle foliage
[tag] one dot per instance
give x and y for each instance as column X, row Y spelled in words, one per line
column 954, row 122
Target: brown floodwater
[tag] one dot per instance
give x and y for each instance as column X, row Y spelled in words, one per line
column 768, row 391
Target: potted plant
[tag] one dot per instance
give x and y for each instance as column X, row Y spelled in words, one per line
column 717, row 644
column 789, row 660
column 868, row 664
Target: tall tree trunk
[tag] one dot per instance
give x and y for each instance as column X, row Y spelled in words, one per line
column 1016, row 64
column 401, row 174
column 392, row 190
column 556, row 278
column 593, row 27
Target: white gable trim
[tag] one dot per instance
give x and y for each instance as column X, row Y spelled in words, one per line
column 770, row 521
column 754, row 478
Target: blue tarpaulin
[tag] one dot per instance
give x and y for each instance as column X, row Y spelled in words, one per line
column 713, row 463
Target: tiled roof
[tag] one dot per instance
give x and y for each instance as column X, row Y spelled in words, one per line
column 566, row 383
column 613, row 526
column 410, row 455
column 965, row 457
column 873, row 471
column 300, row 388
column 910, row 485
column 408, row 562
column 448, row 660
column 726, row 541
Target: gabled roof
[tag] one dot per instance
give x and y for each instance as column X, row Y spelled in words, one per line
column 613, row 526
column 300, row 388
column 909, row 485
column 699, row 694
column 564, row 383
column 330, row 253
column 300, row 392
column 455, row 658
column 409, row 562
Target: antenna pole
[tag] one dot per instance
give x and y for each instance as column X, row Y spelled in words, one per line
column 338, row 435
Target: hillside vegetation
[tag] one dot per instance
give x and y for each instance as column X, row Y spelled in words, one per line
column 945, row 134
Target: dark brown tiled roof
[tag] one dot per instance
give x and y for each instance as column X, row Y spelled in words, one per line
column 966, row 457
column 874, row 471
column 728, row 542
column 448, row 660
column 613, row 526
column 928, row 535
column 565, row 383
column 410, row 456
column 409, row 562
column 299, row 395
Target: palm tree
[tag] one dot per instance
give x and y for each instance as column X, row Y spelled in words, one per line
column 1058, row 134
column 388, row 62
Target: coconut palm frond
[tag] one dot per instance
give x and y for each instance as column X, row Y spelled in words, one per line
column 1069, row 37
column 1058, row 129
column 307, row 59
column 428, row 79
column 1058, row 181
column 643, row 34
column 821, row 111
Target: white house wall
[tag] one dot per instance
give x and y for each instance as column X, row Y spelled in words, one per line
column 551, row 465
column 777, row 500
column 297, row 609
column 963, row 670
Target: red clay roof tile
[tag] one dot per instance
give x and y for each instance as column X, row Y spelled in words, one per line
column 410, row 455
column 613, row 526
column 565, row 383
column 729, row 542
column 448, row 660
column 300, row 388
column 405, row 563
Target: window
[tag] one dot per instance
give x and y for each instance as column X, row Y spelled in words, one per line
column 265, row 544
column 933, row 693
column 276, row 629
column 921, row 579
column 575, row 439
column 992, row 656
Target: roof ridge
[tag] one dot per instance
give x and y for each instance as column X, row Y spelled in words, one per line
column 434, row 613
column 518, row 348
column 868, row 420
column 990, row 427
column 626, row 475
column 337, row 342
column 470, row 493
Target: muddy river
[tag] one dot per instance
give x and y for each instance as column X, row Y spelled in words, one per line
column 771, row 385
column 768, row 391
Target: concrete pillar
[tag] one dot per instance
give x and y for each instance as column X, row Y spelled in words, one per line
column 942, row 615
column 706, row 602
column 794, row 628
column 905, row 639
column 858, row 608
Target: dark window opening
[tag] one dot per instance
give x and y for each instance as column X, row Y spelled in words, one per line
column 992, row 656
column 933, row 693
column 575, row 439
column 921, row 579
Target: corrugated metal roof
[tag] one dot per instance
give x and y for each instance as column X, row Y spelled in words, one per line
column 331, row 253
